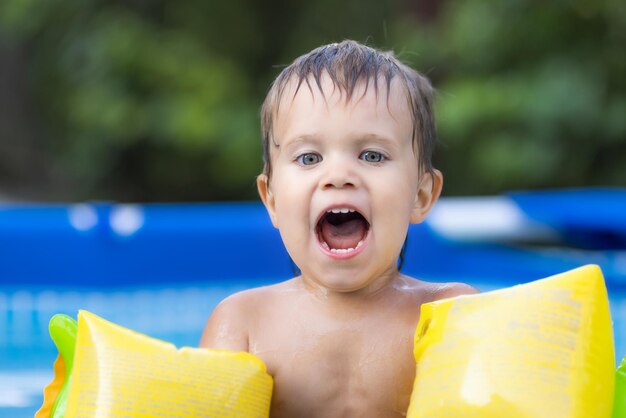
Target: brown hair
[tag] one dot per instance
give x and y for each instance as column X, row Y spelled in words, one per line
column 349, row 63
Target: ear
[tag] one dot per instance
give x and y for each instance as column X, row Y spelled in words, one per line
column 428, row 191
column 263, row 186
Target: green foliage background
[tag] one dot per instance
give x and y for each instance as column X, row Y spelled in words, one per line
column 158, row 100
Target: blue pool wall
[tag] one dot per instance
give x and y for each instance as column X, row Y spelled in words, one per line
column 117, row 245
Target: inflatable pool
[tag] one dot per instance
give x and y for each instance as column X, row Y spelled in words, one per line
column 122, row 261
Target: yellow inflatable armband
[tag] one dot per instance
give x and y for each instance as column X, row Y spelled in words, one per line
column 539, row 350
column 118, row 372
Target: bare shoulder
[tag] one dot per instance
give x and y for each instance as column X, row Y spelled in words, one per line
column 229, row 325
column 431, row 291
column 453, row 289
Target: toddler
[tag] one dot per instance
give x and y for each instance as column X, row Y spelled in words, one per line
column 348, row 134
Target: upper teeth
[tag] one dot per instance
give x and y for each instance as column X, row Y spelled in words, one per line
column 340, row 210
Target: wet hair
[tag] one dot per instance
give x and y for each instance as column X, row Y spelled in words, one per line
column 348, row 64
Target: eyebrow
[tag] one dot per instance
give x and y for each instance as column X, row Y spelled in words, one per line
column 299, row 138
column 374, row 137
column 378, row 139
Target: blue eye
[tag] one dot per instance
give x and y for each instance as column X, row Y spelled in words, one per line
column 372, row 156
column 309, row 158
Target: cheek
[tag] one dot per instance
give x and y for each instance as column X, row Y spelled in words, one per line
column 399, row 193
column 291, row 202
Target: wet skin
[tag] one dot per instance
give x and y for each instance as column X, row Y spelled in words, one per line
column 331, row 355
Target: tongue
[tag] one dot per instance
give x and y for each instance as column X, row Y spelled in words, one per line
column 344, row 235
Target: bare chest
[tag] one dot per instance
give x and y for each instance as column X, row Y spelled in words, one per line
column 347, row 369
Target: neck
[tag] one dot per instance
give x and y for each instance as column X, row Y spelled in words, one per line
column 373, row 291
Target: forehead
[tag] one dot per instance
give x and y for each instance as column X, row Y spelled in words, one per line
column 370, row 109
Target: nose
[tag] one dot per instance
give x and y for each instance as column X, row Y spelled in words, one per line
column 339, row 174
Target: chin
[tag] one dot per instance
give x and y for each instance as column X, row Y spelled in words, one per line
column 343, row 282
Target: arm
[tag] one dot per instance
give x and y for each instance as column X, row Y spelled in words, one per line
column 227, row 327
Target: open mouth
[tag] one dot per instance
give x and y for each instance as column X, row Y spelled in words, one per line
column 342, row 230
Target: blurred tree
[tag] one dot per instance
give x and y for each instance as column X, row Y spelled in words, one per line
column 531, row 94
column 155, row 100
column 135, row 107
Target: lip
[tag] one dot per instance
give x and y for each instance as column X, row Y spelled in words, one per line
column 347, row 255
column 344, row 256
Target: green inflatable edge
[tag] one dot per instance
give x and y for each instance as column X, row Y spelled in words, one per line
column 63, row 330
column 619, row 403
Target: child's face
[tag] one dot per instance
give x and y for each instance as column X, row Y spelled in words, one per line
column 332, row 155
